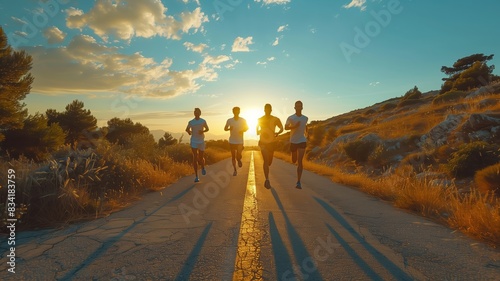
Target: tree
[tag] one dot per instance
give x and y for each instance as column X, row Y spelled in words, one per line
column 36, row 140
column 15, row 84
column 166, row 140
column 77, row 122
column 121, row 130
column 413, row 94
column 468, row 73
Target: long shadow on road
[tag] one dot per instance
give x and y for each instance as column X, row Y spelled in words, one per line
column 281, row 257
column 393, row 269
column 112, row 240
column 302, row 256
column 188, row 267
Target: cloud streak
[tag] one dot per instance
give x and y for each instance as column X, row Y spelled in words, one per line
column 356, row 4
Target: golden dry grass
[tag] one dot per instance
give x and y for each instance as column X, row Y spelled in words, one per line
column 473, row 214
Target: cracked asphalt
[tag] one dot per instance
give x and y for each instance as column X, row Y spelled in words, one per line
column 222, row 229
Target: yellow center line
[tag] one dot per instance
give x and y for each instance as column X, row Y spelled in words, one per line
column 248, row 265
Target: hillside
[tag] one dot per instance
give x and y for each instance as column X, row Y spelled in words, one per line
column 422, row 134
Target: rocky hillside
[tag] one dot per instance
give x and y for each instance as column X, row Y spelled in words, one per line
column 442, row 137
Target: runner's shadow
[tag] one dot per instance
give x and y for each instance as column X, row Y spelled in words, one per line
column 302, row 256
column 112, row 240
column 392, row 268
column 188, row 267
column 281, row 256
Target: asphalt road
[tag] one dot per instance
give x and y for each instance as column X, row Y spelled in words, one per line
column 232, row 228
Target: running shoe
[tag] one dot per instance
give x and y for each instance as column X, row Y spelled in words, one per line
column 235, row 173
column 298, row 185
column 203, row 171
column 196, row 179
column 267, row 184
column 240, row 164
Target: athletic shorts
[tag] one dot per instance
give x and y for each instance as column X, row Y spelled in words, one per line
column 235, row 146
column 200, row 146
column 266, row 145
column 295, row 146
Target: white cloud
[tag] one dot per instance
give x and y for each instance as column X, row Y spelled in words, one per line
column 356, row 4
column 271, row 58
column 195, row 48
column 269, row 2
column 282, row 28
column 373, row 84
column 187, row 1
column 54, row 35
column 85, row 67
column 127, row 19
column 241, row 44
column 215, row 60
column 276, row 42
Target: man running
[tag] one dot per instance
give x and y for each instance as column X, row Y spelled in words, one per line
column 266, row 127
column 237, row 126
column 297, row 123
column 196, row 128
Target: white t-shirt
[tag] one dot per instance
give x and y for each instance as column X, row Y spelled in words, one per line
column 297, row 135
column 236, row 130
column 196, row 126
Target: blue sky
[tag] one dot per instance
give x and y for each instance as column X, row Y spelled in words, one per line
column 154, row 61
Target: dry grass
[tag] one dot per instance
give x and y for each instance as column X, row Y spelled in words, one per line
column 473, row 214
column 476, row 215
column 86, row 184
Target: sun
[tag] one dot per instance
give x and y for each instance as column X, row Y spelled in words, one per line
column 251, row 115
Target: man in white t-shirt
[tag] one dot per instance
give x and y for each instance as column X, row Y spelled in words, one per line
column 237, row 126
column 197, row 128
column 266, row 128
column 297, row 123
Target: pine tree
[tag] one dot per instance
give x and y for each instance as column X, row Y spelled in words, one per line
column 36, row 140
column 77, row 122
column 15, row 84
column 167, row 140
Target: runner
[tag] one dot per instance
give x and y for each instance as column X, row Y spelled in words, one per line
column 196, row 128
column 237, row 126
column 297, row 123
column 266, row 129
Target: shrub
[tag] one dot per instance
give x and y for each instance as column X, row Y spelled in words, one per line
column 449, row 96
column 407, row 102
column 419, row 161
column 472, row 157
column 359, row 150
column 488, row 180
column 179, row 153
column 413, row 94
column 360, row 119
column 316, row 133
column 387, row 106
column 369, row 112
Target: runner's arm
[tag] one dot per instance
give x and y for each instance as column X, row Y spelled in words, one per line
column 280, row 126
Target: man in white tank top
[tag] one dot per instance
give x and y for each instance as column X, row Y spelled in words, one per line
column 237, row 126
column 197, row 128
column 297, row 123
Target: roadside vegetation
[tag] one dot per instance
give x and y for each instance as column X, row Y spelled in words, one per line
column 436, row 154
column 66, row 167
